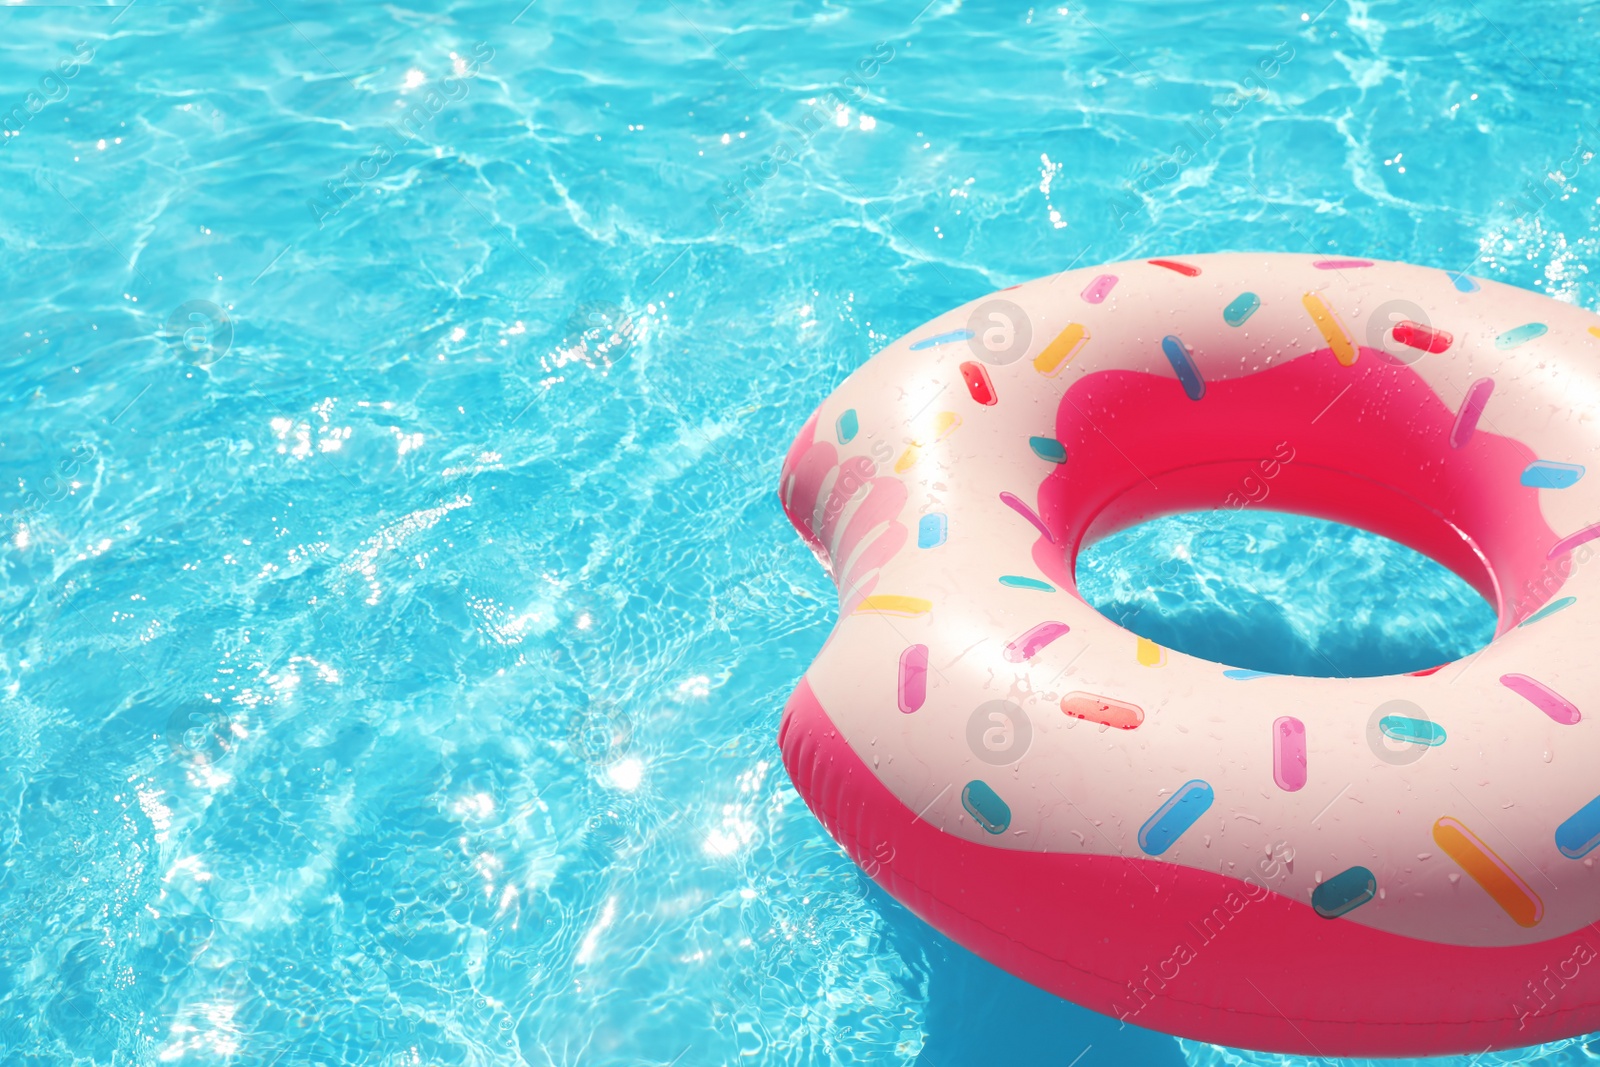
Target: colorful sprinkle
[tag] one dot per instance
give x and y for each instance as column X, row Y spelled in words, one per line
column 1578, row 836
column 1150, row 654
column 1183, row 366
column 986, row 807
column 1546, row 474
column 848, row 426
column 913, row 678
column 978, row 383
column 1017, row 581
column 1011, row 501
column 932, row 529
column 1289, row 754
column 1100, row 288
column 1541, row 696
column 1341, row 264
column 1549, row 609
column 1048, row 448
column 1412, row 731
column 1595, row 331
column 907, row 606
column 1462, row 282
column 1184, row 269
column 1471, row 410
column 1058, row 353
column 1491, row 872
column 1239, row 311
column 1103, row 710
column 1028, row 645
column 1572, row 541
column 1171, row 819
column 1332, row 330
column 1240, row 674
column 942, row 425
column 1344, row 892
column 942, row 339
column 1423, row 338
column 1521, row 335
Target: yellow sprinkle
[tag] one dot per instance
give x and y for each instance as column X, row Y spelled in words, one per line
column 1332, row 330
column 1595, row 330
column 894, row 605
column 943, row 425
column 1058, row 353
column 1151, row 654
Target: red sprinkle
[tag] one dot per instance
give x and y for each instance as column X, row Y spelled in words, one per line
column 1416, row 335
column 1172, row 264
column 978, row 383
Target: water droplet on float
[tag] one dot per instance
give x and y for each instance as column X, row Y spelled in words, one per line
column 1548, row 755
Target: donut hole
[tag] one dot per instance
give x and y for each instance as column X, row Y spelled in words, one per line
column 1283, row 593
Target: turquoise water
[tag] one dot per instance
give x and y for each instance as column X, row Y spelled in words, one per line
column 1285, row 594
column 395, row 608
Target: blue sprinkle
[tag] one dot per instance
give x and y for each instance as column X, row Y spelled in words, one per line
column 1016, row 581
column 1183, row 366
column 943, row 338
column 1239, row 674
column 1462, row 282
column 848, row 425
column 1550, row 609
column 1244, row 305
column 986, row 807
column 932, row 530
column 1344, row 892
column 1578, row 836
column 1171, row 819
column 1048, row 448
column 1545, row 474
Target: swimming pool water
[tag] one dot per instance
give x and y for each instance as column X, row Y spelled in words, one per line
column 1284, row 594
column 395, row 608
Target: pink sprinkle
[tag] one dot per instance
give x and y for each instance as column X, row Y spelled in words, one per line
column 1543, row 697
column 1026, row 512
column 1341, row 264
column 1572, row 541
column 1289, row 754
column 1025, row 647
column 1100, row 288
column 1471, row 409
column 913, row 678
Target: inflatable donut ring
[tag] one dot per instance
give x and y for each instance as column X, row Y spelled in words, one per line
column 1391, row 866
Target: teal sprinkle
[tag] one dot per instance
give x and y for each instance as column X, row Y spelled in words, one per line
column 1048, row 448
column 1549, row 610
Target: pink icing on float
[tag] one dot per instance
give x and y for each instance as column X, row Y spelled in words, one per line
column 1259, row 860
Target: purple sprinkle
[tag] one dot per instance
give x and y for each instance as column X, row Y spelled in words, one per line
column 1471, row 409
